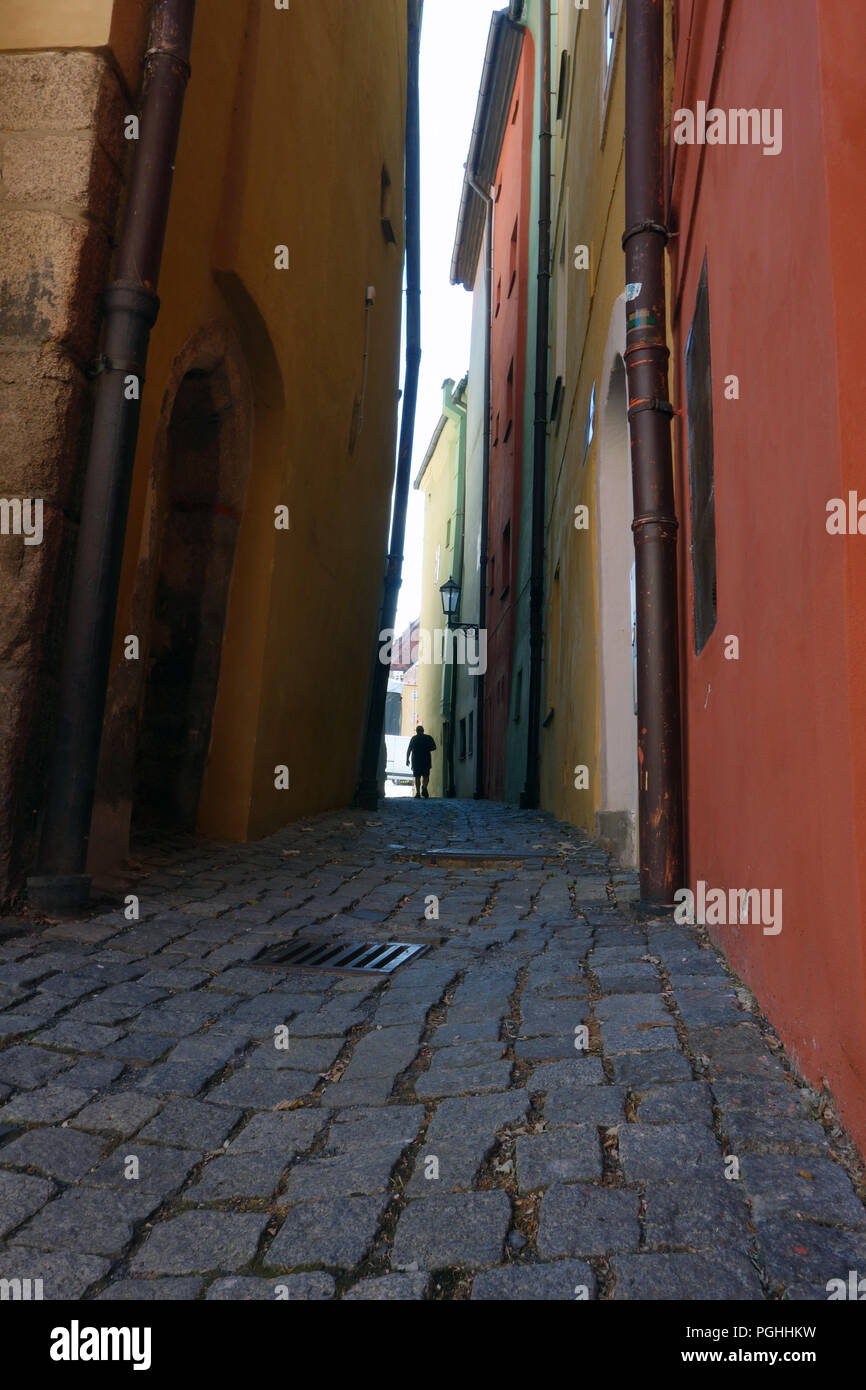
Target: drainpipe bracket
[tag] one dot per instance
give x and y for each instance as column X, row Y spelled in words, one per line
column 639, row 227
column 654, row 403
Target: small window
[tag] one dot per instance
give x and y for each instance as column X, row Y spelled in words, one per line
column 563, row 83
column 448, row 534
column 498, row 297
column 509, row 400
column 515, row 111
column 470, row 736
column 461, row 740
column 506, row 559
column 699, row 398
column 512, row 258
column 610, row 17
column 385, row 212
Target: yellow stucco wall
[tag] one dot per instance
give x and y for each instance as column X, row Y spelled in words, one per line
column 439, row 485
column 593, row 722
column 290, row 118
column 588, row 209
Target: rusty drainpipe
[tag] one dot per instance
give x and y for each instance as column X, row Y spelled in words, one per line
column 532, row 787
column 660, row 803
column 367, row 792
column 131, row 305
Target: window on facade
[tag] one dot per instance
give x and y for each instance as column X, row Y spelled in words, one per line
column 699, row 397
column 470, row 735
column 385, row 207
column 512, row 258
column 506, row 558
column 448, row 534
column 498, row 297
column 509, row 399
column 563, row 81
column 611, row 13
column 491, row 569
column 461, row 740
column 561, row 315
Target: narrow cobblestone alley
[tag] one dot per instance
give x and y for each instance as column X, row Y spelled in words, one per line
column 438, row 1134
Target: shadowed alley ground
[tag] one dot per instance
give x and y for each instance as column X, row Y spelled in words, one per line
column 436, row 1134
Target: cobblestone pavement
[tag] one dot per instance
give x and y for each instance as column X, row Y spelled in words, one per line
column 156, row 1142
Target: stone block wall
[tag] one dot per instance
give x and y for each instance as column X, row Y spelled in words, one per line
column 62, row 155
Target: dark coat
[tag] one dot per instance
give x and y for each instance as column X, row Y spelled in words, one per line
column 419, row 750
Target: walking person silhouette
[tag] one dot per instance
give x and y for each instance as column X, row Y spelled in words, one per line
column 419, row 753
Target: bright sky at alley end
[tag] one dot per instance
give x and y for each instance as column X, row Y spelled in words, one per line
column 453, row 40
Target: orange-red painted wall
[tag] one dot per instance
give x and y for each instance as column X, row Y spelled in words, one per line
column 508, row 346
column 775, row 742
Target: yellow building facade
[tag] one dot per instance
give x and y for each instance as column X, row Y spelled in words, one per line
column 589, row 737
column 439, row 480
column 257, row 527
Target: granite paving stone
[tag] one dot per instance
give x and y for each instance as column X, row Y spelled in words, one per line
column 196, row 1242
column 285, row 1132
column 314, row 1286
column 156, row 1168
column 677, row 1277
column 336, row 1232
column 60, row 1153
column 665, row 1151
column 122, row 1112
column 86, row 1221
column 238, row 1175
column 47, row 1105
column 562, row 1155
column 151, row 1290
column 572, row 1105
column 577, row 1219
column 456, row 1081
column 466, row 1229
column 562, row 1281
column 396, row 1288
column 191, row 1124
column 21, row 1196
column 28, row 1067
column 814, row 1188
column 259, row 1088
column 64, row 1276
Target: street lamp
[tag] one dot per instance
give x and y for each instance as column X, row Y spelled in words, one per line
column 450, row 593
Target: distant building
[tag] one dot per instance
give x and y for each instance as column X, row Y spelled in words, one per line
column 441, row 479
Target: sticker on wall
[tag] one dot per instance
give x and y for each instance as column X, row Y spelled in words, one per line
column 632, row 291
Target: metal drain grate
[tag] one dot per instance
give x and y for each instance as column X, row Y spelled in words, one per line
column 374, row 957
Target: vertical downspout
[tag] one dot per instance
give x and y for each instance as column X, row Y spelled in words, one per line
column 660, row 807
column 367, row 794
column 131, row 305
column 485, row 484
column 532, row 787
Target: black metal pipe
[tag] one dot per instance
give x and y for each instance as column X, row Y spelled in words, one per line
column 659, row 751
column 532, row 786
column 367, row 794
column 131, row 305
column 485, row 487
